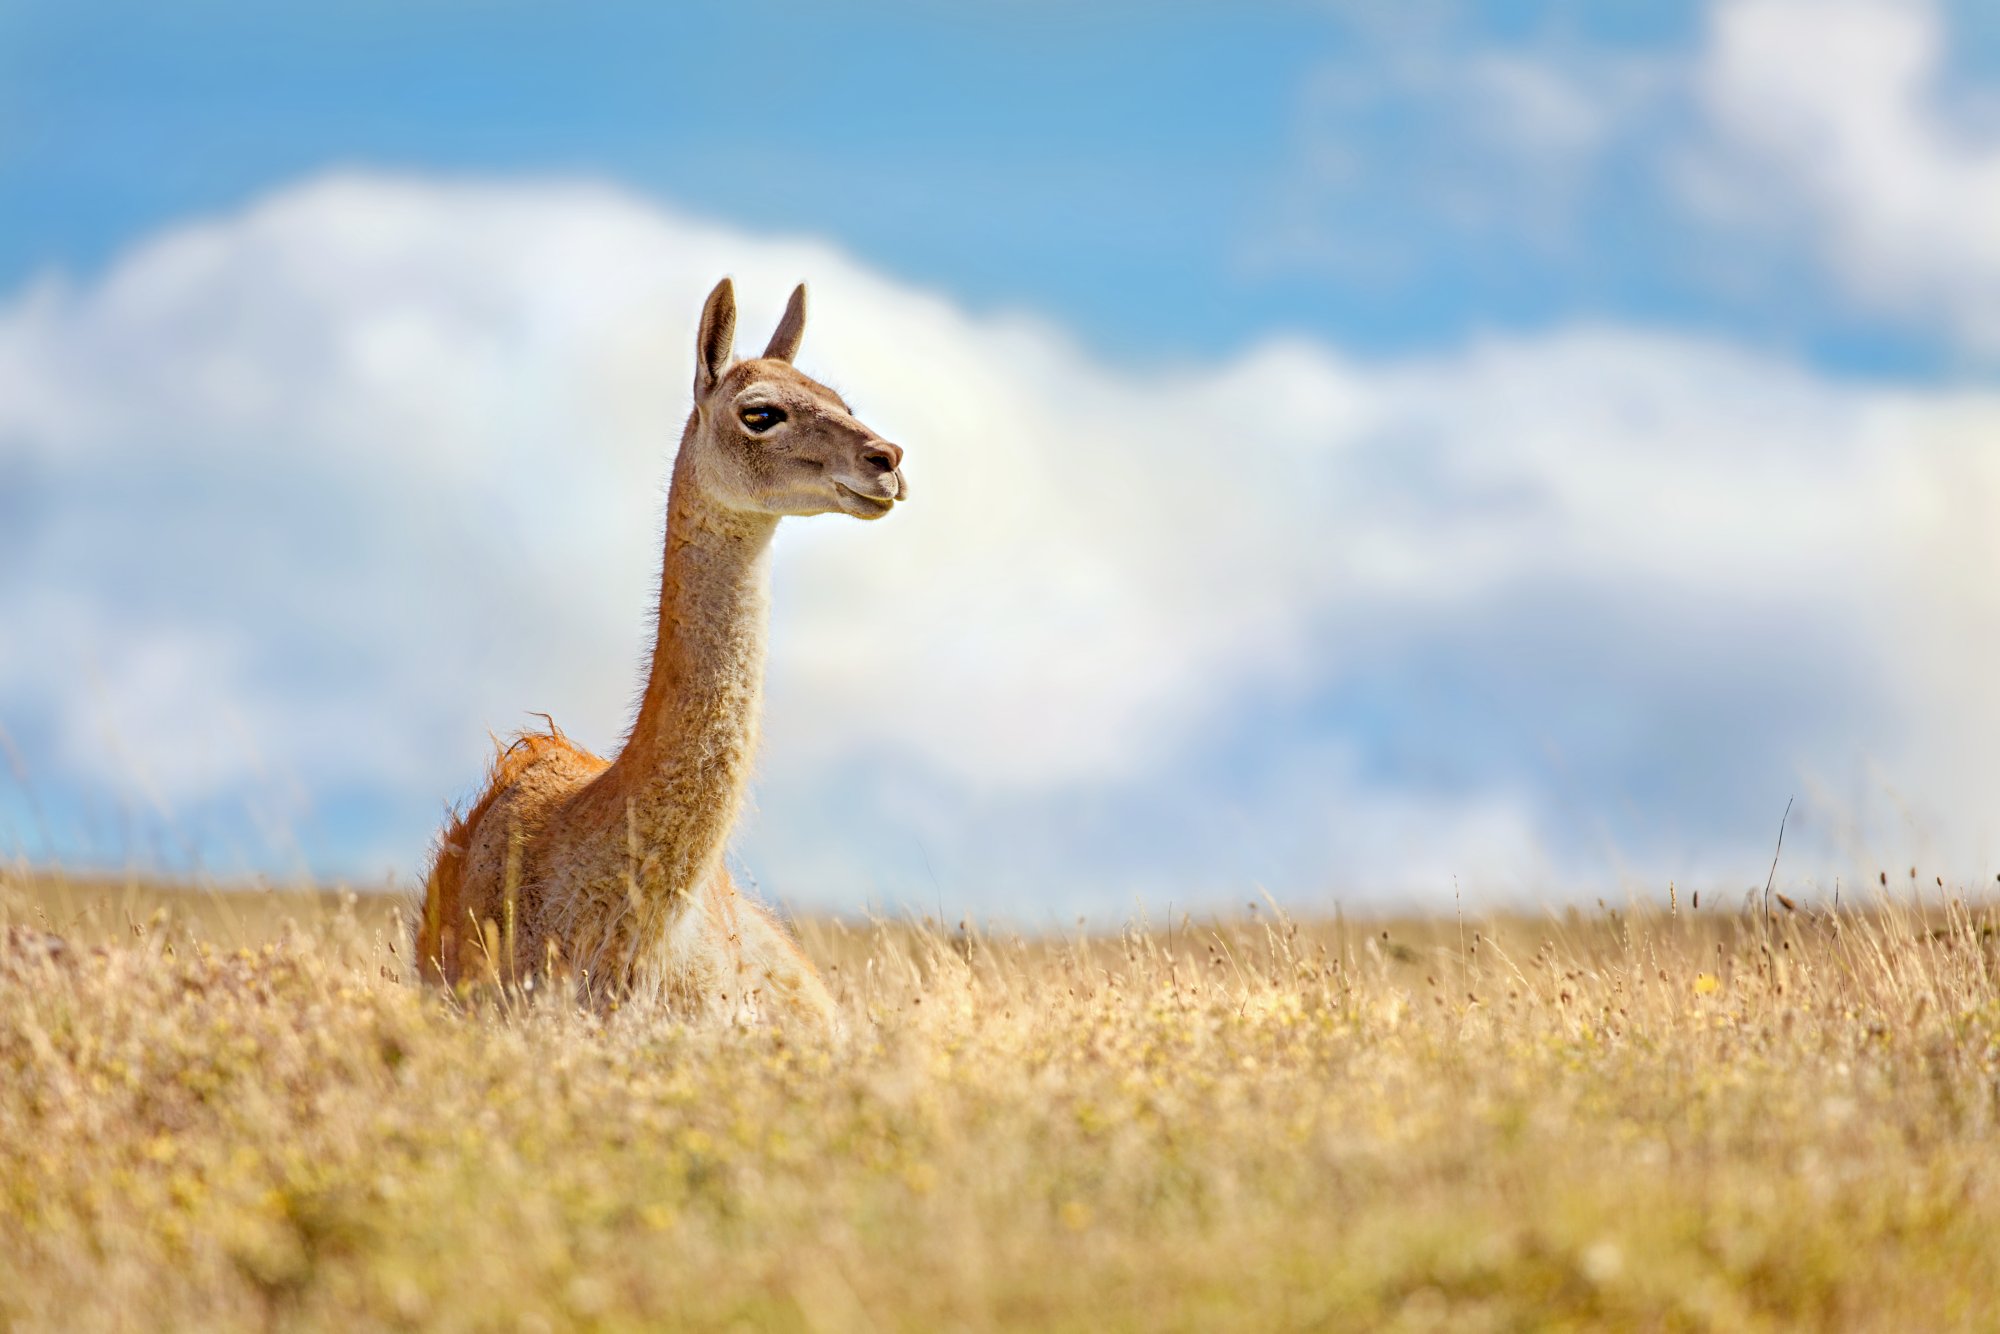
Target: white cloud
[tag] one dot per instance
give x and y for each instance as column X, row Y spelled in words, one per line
column 1833, row 119
column 320, row 492
column 1816, row 161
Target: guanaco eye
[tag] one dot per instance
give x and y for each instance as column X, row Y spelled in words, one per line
column 762, row 419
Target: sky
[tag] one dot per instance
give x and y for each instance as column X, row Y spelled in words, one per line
column 1362, row 453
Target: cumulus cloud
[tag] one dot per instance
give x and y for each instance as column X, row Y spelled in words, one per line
column 1834, row 117
column 303, row 500
column 1799, row 164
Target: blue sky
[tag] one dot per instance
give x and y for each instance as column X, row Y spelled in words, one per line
column 1117, row 168
column 1601, row 378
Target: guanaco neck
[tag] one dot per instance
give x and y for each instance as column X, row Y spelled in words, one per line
column 682, row 774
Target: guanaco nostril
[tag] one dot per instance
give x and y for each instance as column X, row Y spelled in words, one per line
column 885, row 457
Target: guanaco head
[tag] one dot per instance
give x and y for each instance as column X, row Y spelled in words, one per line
column 768, row 439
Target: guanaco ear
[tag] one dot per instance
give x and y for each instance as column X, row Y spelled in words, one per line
column 785, row 342
column 718, row 334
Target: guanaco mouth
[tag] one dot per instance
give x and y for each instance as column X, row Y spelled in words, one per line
column 876, row 503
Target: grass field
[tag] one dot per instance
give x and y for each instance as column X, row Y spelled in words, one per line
column 233, row 1111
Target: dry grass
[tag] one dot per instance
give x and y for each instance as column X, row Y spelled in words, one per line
column 215, row 1121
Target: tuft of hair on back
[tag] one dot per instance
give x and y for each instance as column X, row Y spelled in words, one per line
column 439, row 924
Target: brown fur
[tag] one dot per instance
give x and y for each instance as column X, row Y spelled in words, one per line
column 447, row 917
column 611, row 872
